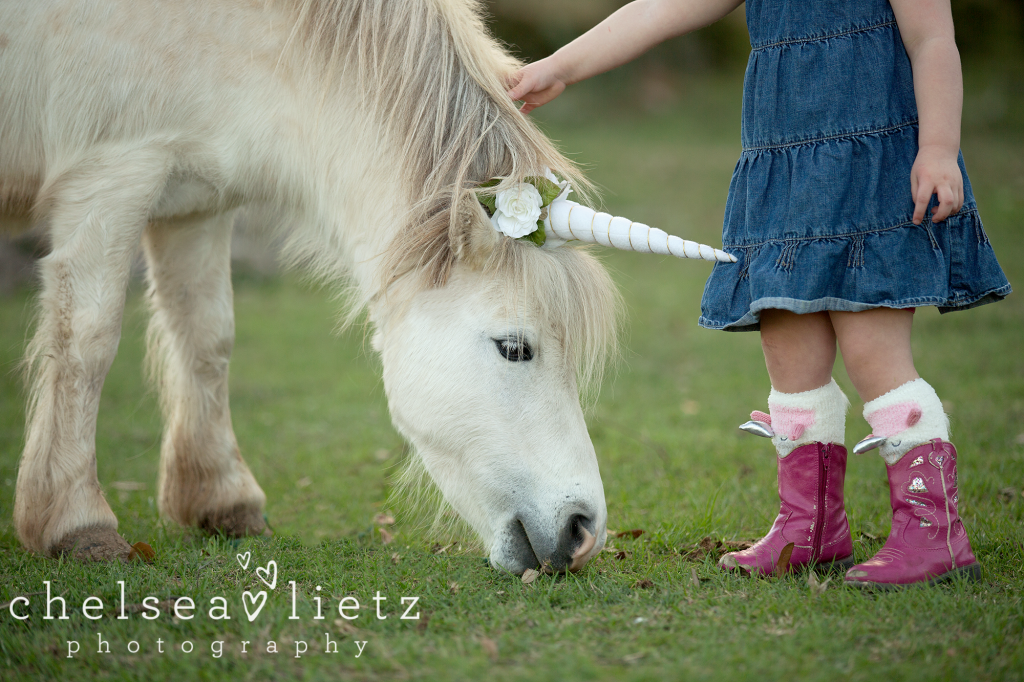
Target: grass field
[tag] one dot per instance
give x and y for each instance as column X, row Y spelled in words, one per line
column 312, row 422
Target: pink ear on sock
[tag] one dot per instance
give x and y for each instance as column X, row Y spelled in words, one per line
column 888, row 421
column 759, row 416
column 791, row 421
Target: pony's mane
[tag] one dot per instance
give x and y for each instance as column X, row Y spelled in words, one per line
column 432, row 79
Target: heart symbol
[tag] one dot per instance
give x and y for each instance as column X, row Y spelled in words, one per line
column 258, row 601
column 261, row 573
column 243, row 559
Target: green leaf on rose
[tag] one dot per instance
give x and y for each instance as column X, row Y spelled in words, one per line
column 489, row 200
column 537, row 236
column 549, row 191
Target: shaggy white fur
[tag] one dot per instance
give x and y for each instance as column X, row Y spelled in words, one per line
column 906, row 416
column 815, row 416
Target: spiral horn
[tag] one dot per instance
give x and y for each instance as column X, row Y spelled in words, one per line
column 569, row 220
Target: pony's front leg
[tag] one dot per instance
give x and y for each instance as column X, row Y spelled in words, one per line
column 203, row 479
column 97, row 210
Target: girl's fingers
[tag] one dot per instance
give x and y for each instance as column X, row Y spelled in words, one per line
column 519, row 88
column 923, row 197
column 946, row 203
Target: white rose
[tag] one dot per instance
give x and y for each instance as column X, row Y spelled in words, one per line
column 518, row 210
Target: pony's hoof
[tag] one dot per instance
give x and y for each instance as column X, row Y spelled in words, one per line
column 237, row 522
column 94, row 543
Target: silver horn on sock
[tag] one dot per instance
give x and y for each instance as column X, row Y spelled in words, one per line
column 568, row 220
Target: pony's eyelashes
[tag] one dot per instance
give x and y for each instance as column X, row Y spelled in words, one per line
column 514, row 349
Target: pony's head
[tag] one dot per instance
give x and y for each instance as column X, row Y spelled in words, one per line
column 484, row 376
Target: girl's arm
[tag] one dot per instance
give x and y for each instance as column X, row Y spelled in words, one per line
column 622, row 37
column 927, row 30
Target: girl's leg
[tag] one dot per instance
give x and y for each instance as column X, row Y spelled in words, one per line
column 808, row 419
column 799, row 350
column 927, row 540
column 876, row 349
column 899, row 405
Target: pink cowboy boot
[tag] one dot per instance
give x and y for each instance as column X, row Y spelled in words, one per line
column 811, row 515
column 927, row 542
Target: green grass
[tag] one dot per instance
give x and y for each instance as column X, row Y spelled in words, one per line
column 311, row 419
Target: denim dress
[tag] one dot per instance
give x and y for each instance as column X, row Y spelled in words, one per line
column 819, row 209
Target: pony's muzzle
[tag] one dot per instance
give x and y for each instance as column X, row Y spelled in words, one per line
column 570, row 550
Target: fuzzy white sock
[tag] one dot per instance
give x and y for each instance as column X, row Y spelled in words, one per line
column 816, row 416
column 906, row 417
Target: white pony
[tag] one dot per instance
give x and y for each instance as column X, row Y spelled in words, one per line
column 364, row 126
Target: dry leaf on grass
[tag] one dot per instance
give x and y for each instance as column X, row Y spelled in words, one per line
column 644, row 584
column 694, row 580
column 490, row 648
column 386, row 537
column 441, row 549
column 344, row 627
column 621, row 554
column 817, row 587
column 782, row 565
column 142, row 552
column 529, row 575
column 384, row 519
column 635, row 533
column 1009, row 493
column 453, row 588
column 395, row 557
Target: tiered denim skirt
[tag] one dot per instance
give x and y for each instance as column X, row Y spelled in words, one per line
column 819, row 209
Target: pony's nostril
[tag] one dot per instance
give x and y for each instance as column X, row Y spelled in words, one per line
column 582, row 553
column 581, row 541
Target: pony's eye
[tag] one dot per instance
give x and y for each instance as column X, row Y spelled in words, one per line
column 514, row 349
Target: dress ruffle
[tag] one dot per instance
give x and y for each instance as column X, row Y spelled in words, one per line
column 950, row 265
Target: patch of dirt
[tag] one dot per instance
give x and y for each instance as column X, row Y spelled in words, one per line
column 713, row 547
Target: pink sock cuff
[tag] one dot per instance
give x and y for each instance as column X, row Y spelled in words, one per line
column 818, row 415
column 888, row 421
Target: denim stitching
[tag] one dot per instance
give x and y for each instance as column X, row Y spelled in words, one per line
column 837, row 136
column 931, row 235
column 817, row 39
column 856, row 259
column 787, row 259
column 982, row 236
column 749, row 254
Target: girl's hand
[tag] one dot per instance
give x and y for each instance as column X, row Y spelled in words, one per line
column 626, row 34
column 936, row 172
column 536, row 84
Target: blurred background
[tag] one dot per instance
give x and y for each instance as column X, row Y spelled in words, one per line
column 699, row 73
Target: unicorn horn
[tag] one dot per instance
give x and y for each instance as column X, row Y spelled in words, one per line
column 568, row 220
